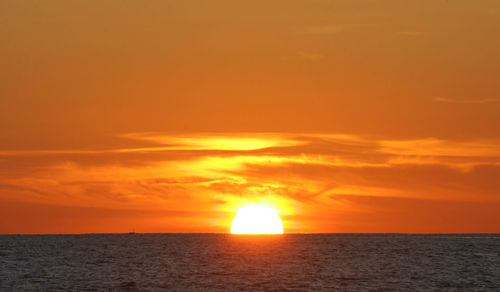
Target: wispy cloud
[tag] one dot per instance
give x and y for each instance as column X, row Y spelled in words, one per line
column 311, row 56
column 322, row 29
column 217, row 172
column 329, row 29
column 207, row 141
column 466, row 101
column 493, row 12
column 444, row 148
column 410, row 33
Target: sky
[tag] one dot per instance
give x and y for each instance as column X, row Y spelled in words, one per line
column 168, row 116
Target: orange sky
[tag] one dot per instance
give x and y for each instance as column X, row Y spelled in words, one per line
column 167, row 116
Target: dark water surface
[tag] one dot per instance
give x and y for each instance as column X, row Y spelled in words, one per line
column 204, row 262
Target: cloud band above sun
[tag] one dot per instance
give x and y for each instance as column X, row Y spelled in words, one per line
column 317, row 182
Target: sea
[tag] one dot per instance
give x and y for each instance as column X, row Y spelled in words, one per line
column 224, row 262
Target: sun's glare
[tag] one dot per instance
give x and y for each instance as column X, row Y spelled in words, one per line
column 257, row 219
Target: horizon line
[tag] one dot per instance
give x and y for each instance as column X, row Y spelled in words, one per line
column 288, row 233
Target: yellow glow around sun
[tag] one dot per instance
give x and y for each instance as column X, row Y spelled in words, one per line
column 257, row 219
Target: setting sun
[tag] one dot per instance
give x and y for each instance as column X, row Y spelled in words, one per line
column 257, row 219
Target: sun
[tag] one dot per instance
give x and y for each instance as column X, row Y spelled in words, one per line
column 257, row 219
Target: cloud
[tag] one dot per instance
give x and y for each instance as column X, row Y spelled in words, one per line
column 466, row 101
column 493, row 12
column 437, row 147
column 323, row 29
column 330, row 29
column 208, row 141
column 411, row 33
column 218, row 172
column 311, row 56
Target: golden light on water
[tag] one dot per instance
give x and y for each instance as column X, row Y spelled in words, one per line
column 257, row 219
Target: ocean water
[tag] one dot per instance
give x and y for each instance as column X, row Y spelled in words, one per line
column 216, row 262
